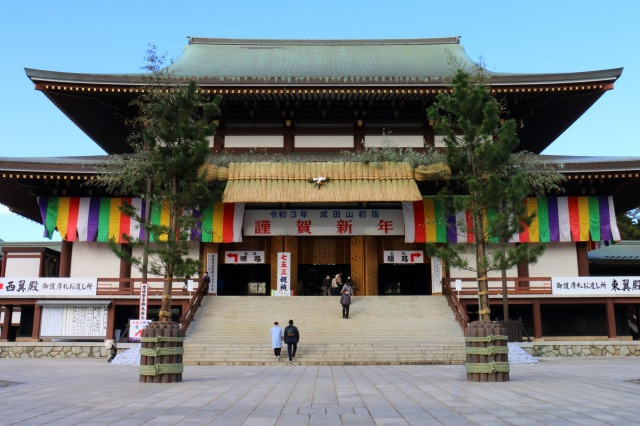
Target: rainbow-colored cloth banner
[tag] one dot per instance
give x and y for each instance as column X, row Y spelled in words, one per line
column 100, row 219
column 558, row 219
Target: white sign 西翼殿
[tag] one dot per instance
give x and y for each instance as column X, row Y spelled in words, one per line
column 47, row 286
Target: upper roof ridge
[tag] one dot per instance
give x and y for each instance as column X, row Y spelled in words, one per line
column 319, row 42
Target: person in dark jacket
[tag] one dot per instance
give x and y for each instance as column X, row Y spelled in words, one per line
column 345, row 301
column 291, row 338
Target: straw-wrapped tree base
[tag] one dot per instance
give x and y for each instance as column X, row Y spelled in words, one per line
column 487, row 352
column 161, row 353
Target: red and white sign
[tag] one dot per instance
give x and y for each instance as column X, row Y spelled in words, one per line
column 144, row 300
column 336, row 222
column 243, row 257
column 284, row 274
column 404, row 257
column 136, row 327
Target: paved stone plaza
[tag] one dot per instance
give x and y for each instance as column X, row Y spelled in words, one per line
column 586, row 391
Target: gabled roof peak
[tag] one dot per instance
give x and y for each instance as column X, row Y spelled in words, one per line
column 318, row 42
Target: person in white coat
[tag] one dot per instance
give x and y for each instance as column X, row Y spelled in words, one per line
column 276, row 340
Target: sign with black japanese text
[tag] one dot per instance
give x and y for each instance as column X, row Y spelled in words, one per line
column 312, row 222
column 243, row 257
column 212, row 268
column 404, row 256
column 436, row 275
column 144, row 299
column 596, row 286
column 47, row 286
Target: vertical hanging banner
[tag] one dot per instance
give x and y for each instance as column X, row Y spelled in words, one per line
column 144, row 296
column 436, row 275
column 212, row 269
column 284, row 274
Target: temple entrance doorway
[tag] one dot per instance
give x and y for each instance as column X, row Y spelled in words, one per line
column 404, row 280
column 319, row 257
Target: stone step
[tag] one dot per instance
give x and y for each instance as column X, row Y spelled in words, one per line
column 234, row 330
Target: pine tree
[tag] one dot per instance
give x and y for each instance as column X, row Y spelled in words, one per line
column 170, row 147
column 488, row 180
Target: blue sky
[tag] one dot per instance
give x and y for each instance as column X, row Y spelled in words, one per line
column 109, row 37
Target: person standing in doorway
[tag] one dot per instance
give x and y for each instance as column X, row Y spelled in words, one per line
column 276, row 340
column 326, row 285
column 336, row 284
column 206, row 281
column 291, row 338
column 345, row 301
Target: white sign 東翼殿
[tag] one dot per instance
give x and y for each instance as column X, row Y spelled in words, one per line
column 596, row 286
column 47, row 286
column 310, row 222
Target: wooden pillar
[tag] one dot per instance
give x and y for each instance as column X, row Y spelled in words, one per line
column 357, row 264
column 3, row 266
column 291, row 246
column 370, row 265
column 6, row 324
column 583, row 259
column 537, row 320
column 611, row 319
column 218, row 141
column 125, row 267
column 523, row 272
column 111, row 320
column 35, row 329
column 65, row 259
column 358, row 143
column 289, row 142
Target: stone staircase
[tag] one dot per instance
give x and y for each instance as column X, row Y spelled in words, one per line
column 230, row 330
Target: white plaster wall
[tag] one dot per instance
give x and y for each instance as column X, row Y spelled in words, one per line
column 254, row 141
column 463, row 273
column 337, row 141
column 22, row 266
column 194, row 253
column 400, row 141
column 92, row 259
column 559, row 260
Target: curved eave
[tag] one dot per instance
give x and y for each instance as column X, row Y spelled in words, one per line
column 496, row 80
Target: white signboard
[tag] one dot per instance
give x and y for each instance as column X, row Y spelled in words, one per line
column 243, row 257
column 136, row 327
column 596, row 286
column 212, row 268
column 47, row 286
column 144, row 299
column 73, row 321
column 436, row 275
column 404, row 257
column 284, row 274
column 336, row 222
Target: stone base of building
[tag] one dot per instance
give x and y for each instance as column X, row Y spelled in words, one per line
column 57, row 349
column 578, row 348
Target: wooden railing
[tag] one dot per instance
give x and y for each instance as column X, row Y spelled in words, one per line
column 131, row 286
column 458, row 310
column 515, row 285
column 196, row 301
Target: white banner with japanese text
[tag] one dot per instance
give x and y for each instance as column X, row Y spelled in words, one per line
column 136, row 327
column 436, row 275
column 144, row 300
column 284, row 274
column 311, row 222
column 212, row 268
column 596, row 286
column 47, row 286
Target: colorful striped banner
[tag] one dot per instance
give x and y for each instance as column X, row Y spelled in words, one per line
column 100, row 219
column 557, row 219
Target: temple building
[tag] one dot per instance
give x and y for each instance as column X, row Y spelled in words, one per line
column 300, row 203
